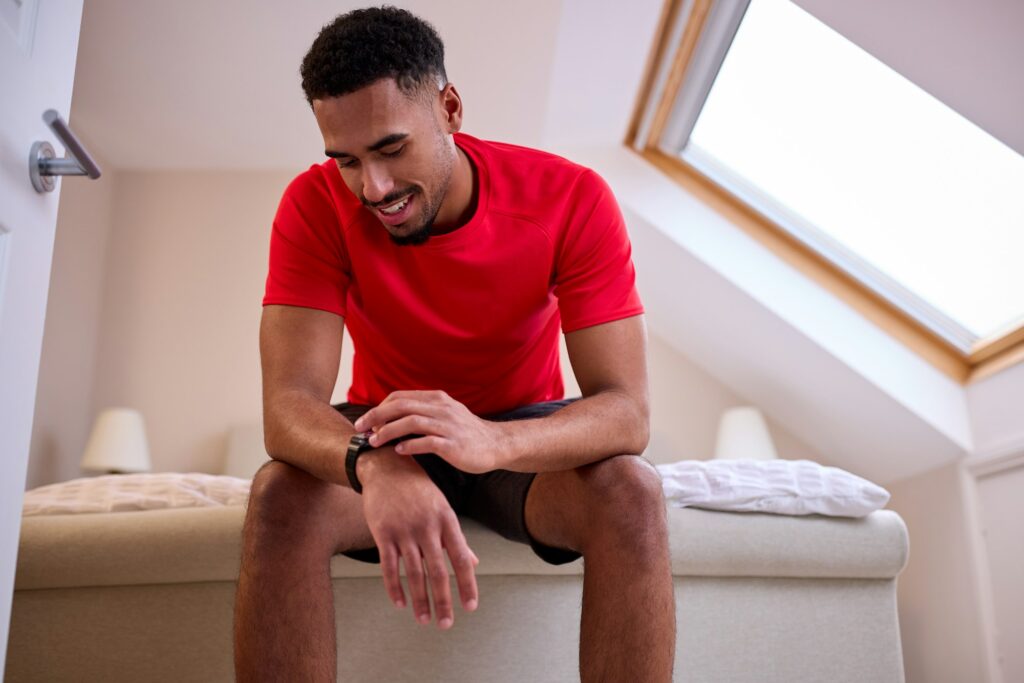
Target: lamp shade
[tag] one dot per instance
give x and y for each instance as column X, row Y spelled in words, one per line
column 743, row 434
column 117, row 443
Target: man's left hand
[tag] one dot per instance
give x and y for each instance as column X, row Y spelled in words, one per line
column 448, row 429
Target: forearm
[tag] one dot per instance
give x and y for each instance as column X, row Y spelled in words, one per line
column 306, row 432
column 593, row 428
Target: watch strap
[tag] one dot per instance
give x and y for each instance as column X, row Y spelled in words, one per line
column 357, row 443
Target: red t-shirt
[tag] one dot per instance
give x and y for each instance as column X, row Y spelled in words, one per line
column 475, row 312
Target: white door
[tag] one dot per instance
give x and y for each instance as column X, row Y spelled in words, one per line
column 999, row 496
column 38, row 46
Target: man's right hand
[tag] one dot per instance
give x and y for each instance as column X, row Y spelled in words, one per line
column 410, row 518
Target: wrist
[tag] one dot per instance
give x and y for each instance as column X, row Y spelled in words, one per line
column 505, row 453
column 372, row 463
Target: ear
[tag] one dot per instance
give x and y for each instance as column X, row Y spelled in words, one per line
column 449, row 109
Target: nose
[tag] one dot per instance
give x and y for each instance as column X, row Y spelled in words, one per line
column 376, row 183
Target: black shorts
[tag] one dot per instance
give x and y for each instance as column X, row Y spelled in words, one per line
column 496, row 499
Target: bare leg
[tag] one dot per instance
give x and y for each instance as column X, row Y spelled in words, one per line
column 614, row 513
column 284, row 626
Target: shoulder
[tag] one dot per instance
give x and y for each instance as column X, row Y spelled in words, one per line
column 319, row 191
column 527, row 180
column 314, row 215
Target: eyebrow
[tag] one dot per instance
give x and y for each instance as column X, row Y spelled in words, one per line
column 383, row 142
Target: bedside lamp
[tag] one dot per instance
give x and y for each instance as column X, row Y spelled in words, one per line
column 743, row 434
column 117, row 443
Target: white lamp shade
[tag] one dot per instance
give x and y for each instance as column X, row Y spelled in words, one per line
column 743, row 434
column 118, row 443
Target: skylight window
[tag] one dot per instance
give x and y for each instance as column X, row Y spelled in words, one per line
column 871, row 171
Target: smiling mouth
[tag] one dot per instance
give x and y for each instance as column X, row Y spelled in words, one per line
column 397, row 207
column 396, row 213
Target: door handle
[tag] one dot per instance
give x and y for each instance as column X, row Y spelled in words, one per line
column 43, row 164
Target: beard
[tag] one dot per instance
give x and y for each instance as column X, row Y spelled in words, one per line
column 422, row 233
column 445, row 164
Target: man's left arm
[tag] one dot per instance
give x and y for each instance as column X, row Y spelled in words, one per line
column 612, row 417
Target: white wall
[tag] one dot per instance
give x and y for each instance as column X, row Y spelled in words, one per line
column 179, row 331
column 995, row 404
column 67, row 371
column 940, row 622
column 686, row 403
column 956, row 595
column 1001, row 524
column 592, row 91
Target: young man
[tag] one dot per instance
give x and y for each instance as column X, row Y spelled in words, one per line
column 455, row 263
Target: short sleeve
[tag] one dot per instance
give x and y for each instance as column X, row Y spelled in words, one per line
column 595, row 281
column 308, row 263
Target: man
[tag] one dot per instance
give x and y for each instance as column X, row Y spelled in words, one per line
column 454, row 262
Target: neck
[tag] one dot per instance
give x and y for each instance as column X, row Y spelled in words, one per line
column 460, row 201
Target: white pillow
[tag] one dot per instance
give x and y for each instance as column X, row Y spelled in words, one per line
column 784, row 487
column 147, row 491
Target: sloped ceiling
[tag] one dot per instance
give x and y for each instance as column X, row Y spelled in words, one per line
column 215, row 85
column 968, row 55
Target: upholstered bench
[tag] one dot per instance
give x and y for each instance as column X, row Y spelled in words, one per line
column 148, row 596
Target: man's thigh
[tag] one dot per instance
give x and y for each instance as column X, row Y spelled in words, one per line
column 498, row 498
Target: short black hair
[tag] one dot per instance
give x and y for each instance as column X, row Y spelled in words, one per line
column 365, row 45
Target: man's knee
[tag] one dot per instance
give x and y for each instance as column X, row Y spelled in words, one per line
column 626, row 501
column 284, row 498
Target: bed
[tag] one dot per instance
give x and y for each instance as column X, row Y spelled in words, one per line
column 147, row 595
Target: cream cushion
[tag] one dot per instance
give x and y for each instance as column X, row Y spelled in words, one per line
column 202, row 544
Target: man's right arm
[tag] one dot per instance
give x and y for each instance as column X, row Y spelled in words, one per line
column 409, row 517
column 300, row 350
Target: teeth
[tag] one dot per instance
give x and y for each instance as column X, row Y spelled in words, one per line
column 395, row 208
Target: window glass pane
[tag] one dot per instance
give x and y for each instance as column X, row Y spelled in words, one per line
column 859, row 152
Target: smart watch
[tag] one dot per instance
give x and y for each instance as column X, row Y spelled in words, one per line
column 359, row 443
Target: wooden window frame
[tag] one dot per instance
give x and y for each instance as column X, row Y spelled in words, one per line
column 987, row 355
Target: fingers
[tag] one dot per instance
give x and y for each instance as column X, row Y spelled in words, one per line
column 463, row 562
column 389, row 567
column 411, row 403
column 403, row 426
column 425, row 444
column 412, row 559
column 429, row 551
column 437, row 570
